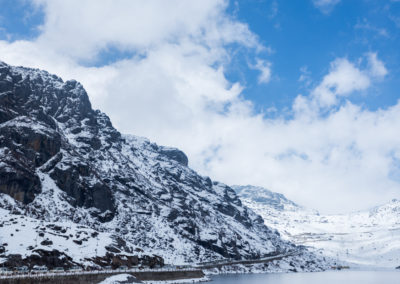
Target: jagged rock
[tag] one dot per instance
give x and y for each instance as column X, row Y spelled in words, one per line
column 46, row 242
column 174, row 154
column 117, row 260
column 51, row 259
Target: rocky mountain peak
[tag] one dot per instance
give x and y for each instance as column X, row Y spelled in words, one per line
column 64, row 164
column 264, row 196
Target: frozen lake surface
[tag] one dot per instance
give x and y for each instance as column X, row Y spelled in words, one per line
column 330, row 277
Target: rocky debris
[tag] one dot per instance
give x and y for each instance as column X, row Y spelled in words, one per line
column 116, row 260
column 50, row 259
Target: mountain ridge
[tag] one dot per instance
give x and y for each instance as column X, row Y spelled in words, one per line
column 67, row 174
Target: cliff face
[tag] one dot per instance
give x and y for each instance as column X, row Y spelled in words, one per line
column 64, row 163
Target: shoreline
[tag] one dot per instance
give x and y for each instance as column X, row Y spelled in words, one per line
column 99, row 276
column 159, row 277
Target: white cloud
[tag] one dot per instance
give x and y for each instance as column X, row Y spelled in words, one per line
column 344, row 78
column 175, row 92
column 265, row 70
column 325, row 6
column 138, row 25
column 377, row 68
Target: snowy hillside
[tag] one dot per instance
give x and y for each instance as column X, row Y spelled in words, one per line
column 369, row 238
column 86, row 194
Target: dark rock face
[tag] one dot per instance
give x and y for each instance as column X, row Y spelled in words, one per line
column 85, row 194
column 36, row 146
column 174, row 154
column 36, row 115
column 17, row 180
column 64, row 161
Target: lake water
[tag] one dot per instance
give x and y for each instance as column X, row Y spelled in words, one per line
column 329, row 277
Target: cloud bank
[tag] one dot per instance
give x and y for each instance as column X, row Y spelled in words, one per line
column 169, row 85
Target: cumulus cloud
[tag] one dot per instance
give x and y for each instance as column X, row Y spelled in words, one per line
column 344, row 78
column 331, row 155
column 138, row 25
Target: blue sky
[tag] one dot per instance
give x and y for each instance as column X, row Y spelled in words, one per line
column 300, row 35
column 19, row 20
column 300, row 97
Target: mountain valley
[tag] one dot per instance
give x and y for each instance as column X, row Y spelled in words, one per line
column 367, row 238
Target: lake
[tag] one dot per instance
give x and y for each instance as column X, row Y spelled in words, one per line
column 329, row 277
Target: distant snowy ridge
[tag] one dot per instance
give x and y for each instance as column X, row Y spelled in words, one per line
column 264, row 196
column 368, row 238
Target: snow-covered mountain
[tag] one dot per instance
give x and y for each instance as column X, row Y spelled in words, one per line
column 370, row 238
column 74, row 190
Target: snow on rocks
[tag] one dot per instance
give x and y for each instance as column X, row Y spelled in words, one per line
column 133, row 201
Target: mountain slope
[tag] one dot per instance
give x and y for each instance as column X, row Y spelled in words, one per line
column 370, row 238
column 67, row 174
